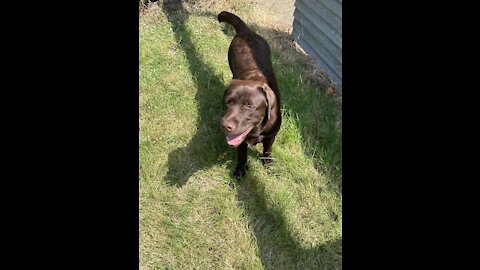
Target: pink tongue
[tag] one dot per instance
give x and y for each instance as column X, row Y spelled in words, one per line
column 237, row 139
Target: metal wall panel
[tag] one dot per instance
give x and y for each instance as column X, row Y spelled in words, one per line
column 317, row 28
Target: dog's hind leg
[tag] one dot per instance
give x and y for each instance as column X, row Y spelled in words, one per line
column 267, row 150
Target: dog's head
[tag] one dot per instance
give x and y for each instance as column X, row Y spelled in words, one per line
column 247, row 106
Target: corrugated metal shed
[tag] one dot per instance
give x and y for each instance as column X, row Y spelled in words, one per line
column 317, row 28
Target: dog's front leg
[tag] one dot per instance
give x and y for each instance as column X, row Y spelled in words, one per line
column 242, row 167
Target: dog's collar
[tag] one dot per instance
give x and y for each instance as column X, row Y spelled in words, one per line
column 265, row 117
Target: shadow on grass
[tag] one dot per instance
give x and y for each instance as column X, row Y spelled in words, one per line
column 208, row 145
column 278, row 248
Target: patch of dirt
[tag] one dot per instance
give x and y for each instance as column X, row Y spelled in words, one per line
column 281, row 12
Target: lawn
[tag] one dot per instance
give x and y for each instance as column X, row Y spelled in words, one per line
column 193, row 214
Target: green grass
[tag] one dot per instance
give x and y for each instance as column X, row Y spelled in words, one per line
column 193, row 215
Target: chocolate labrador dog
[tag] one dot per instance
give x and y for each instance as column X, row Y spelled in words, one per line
column 252, row 100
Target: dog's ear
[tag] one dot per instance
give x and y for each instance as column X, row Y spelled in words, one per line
column 269, row 98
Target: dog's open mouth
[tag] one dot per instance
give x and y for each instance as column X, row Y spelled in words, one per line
column 237, row 139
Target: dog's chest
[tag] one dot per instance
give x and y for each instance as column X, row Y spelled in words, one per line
column 253, row 140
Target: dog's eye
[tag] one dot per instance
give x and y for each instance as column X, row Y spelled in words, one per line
column 229, row 102
column 249, row 105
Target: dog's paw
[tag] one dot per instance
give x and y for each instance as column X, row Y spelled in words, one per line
column 240, row 171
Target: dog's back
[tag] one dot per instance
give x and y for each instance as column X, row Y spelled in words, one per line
column 249, row 54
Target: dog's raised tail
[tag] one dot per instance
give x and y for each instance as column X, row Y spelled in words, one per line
column 233, row 20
